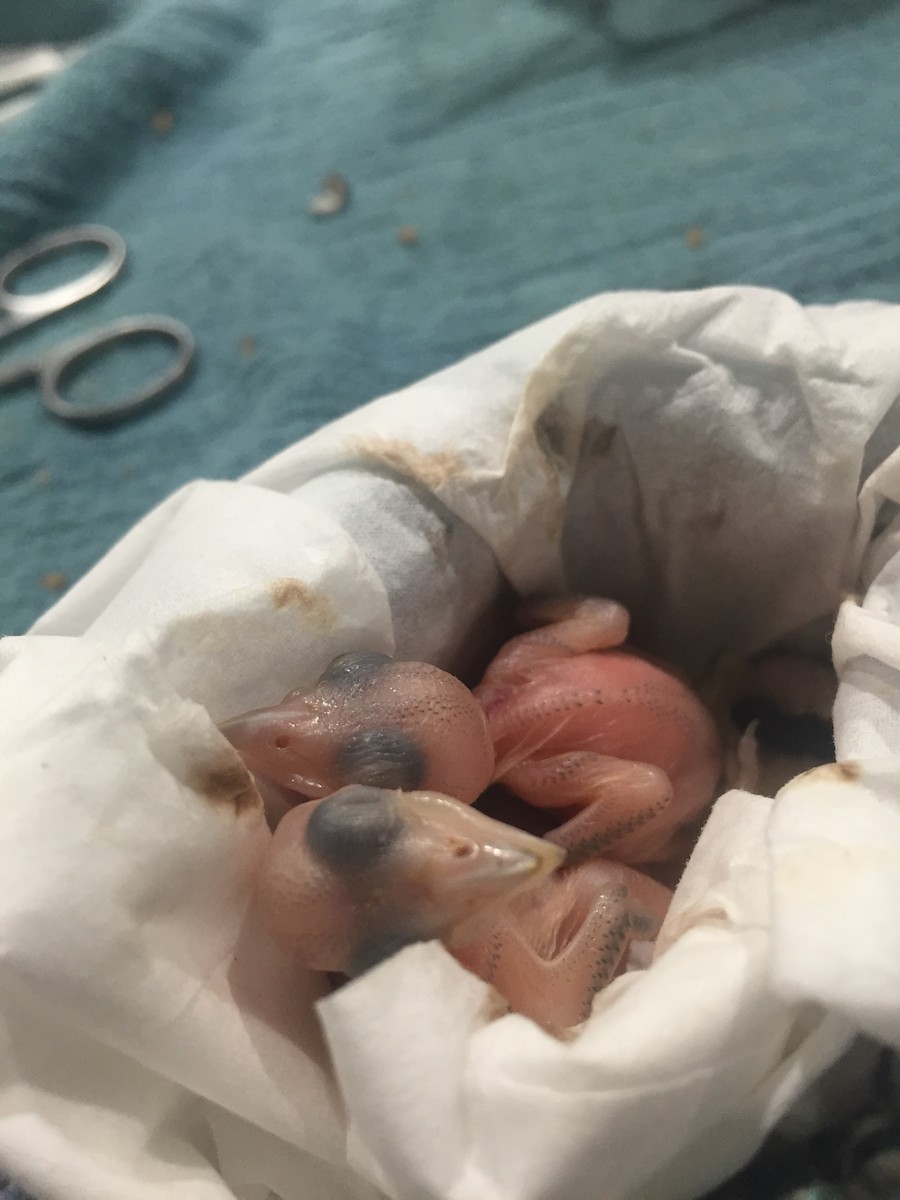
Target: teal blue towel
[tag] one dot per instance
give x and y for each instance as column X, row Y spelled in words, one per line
column 538, row 157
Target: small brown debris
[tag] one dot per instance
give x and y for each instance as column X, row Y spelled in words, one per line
column 694, row 237
column 55, row 581
column 408, row 235
column 42, row 477
column 247, row 345
column 332, row 197
column 129, row 471
column 162, row 122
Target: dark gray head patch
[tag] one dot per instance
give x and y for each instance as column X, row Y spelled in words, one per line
column 380, row 947
column 354, row 668
column 385, row 758
column 354, row 829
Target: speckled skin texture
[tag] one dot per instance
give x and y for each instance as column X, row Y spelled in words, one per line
column 351, row 879
column 618, row 745
column 553, row 948
column 374, row 721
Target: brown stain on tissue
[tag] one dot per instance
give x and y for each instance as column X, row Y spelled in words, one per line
column 294, row 593
column 836, row 772
column 552, row 439
column 548, row 423
column 553, row 435
column 432, row 470
column 226, row 784
column 845, row 772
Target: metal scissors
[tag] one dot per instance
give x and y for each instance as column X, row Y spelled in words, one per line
column 23, row 71
column 19, row 310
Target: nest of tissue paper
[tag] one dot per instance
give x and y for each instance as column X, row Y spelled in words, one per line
column 722, row 462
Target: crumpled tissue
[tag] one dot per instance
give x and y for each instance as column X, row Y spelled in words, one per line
column 724, row 462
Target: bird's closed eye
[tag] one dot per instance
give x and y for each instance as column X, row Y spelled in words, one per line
column 385, row 758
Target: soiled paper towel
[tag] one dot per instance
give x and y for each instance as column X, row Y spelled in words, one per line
column 723, row 462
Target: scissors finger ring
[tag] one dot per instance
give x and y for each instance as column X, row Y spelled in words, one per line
column 65, row 358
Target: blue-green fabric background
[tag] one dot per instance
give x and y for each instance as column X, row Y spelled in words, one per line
column 541, row 158
column 544, row 149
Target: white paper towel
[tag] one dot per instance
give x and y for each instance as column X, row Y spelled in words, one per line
column 720, row 462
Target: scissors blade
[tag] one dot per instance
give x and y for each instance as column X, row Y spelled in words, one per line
column 22, row 71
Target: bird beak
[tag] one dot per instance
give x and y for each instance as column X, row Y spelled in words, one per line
column 278, row 743
column 468, row 862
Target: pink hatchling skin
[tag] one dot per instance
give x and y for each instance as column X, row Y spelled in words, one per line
column 370, row 720
column 351, row 879
column 552, row 948
column 619, row 746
